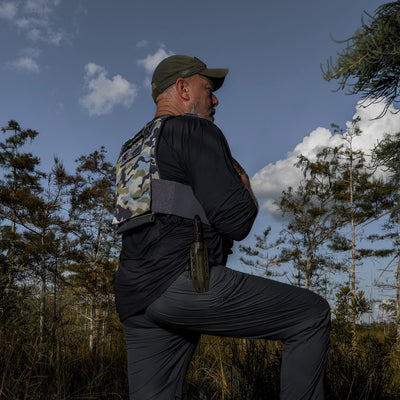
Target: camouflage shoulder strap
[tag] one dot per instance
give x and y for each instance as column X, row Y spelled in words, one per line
column 140, row 193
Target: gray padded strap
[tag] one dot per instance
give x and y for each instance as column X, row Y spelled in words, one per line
column 135, row 222
column 169, row 197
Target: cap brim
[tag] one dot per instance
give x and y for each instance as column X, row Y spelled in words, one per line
column 217, row 75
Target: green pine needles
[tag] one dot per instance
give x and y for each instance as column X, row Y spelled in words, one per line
column 370, row 62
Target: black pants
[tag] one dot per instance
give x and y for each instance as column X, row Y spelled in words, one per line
column 161, row 342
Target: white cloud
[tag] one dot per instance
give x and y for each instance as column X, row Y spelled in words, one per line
column 372, row 128
column 55, row 37
column 104, row 93
column 93, row 69
column 39, row 6
column 36, row 20
column 269, row 182
column 27, row 61
column 8, row 10
column 141, row 43
column 151, row 61
column 34, row 34
column 28, row 22
column 23, row 23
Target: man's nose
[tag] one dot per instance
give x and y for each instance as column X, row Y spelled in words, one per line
column 214, row 100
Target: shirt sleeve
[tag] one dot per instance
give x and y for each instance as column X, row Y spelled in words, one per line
column 205, row 159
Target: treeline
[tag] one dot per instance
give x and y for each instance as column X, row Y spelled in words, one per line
column 60, row 337
column 58, row 257
column 326, row 220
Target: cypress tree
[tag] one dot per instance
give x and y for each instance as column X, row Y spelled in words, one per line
column 20, row 183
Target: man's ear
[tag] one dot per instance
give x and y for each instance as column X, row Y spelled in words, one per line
column 181, row 86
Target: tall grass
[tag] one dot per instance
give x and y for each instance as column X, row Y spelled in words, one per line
column 29, row 372
column 221, row 369
column 227, row 368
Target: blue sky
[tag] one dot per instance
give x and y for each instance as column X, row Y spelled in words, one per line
column 78, row 72
column 273, row 97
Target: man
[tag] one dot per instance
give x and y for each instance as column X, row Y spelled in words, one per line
column 162, row 314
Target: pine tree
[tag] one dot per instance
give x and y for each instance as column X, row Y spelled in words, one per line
column 360, row 197
column 387, row 155
column 96, row 245
column 259, row 255
column 370, row 61
column 311, row 221
column 20, row 183
column 46, row 227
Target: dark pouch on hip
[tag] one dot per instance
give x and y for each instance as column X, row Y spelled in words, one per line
column 199, row 267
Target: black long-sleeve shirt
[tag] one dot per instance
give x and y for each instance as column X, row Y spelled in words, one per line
column 192, row 151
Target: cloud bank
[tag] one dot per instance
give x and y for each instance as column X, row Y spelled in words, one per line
column 35, row 18
column 105, row 93
column 269, row 182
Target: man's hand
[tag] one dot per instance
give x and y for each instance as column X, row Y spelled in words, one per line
column 245, row 179
column 238, row 168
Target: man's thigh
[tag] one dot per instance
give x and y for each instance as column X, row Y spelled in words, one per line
column 238, row 305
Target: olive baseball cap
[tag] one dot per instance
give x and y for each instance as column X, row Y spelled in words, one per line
column 174, row 67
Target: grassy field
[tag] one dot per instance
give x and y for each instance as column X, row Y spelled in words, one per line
column 221, row 369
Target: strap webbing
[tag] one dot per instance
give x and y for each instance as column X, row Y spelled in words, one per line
column 169, row 197
column 135, row 222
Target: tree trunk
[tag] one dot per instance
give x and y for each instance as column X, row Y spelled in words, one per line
column 43, row 294
column 353, row 250
column 57, row 320
column 11, row 268
column 92, row 326
column 307, row 277
column 398, row 302
column 104, row 337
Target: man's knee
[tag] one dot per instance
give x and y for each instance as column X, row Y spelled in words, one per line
column 325, row 310
column 321, row 315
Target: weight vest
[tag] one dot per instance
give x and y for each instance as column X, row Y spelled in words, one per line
column 140, row 193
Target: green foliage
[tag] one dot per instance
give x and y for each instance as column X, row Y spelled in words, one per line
column 346, row 303
column 94, row 246
column 243, row 369
column 386, row 154
column 58, row 233
column 221, row 369
column 359, row 193
column 370, row 62
column 20, row 178
column 366, row 370
column 69, row 372
column 20, row 186
column 310, row 225
column 259, row 256
column 312, row 219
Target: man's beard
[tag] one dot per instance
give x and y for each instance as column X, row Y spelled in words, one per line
column 209, row 115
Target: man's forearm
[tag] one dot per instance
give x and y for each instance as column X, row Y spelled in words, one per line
column 245, row 179
column 246, row 182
